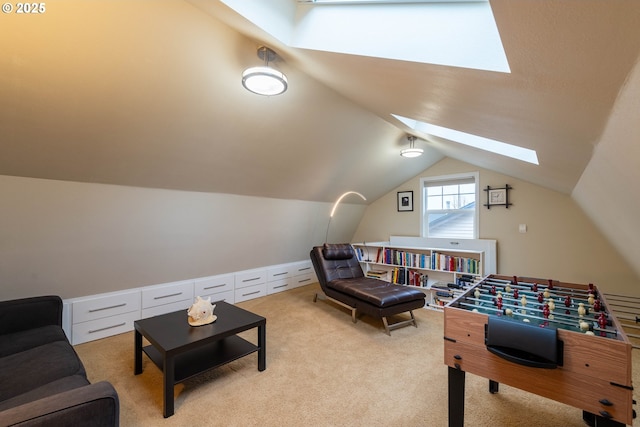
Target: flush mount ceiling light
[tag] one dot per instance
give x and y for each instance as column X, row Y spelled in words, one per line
column 411, row 151
column 264, row 80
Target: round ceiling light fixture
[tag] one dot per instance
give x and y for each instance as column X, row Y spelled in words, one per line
column 265, row 80
column 411, row 151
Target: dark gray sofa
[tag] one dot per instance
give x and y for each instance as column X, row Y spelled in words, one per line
column 42, row 380
column 342, row 281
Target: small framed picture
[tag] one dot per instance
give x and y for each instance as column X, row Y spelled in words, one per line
column 498, row 196
column 405, row 201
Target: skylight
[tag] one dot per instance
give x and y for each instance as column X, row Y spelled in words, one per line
column 502, row 148
column 383, row 1
column 450, row 33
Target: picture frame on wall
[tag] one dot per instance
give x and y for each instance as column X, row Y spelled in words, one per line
column 498, row 196
column 405, row 201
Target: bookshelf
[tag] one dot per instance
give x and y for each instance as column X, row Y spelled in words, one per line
column 442, row 268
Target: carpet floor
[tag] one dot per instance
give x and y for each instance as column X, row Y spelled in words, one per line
column 322, row 370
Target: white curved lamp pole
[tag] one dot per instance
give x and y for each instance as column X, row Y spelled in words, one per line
column 335, row 206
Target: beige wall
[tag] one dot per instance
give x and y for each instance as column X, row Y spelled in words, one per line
column 75, row 239
column 608, row 189
column 561, row 242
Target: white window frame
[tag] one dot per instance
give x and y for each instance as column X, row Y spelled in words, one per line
column 453, row 177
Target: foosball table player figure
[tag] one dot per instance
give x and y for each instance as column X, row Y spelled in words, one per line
column 546, row 337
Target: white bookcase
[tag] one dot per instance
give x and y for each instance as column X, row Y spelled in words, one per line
column 442, row 268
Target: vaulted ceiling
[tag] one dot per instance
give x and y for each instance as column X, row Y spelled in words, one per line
column 148, row 94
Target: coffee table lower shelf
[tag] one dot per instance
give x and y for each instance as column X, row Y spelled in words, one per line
column 203, row 358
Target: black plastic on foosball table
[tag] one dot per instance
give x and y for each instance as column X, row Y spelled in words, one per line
column 523, row 344
column 594, row 420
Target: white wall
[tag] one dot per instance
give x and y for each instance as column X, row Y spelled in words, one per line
column 608, row 189
column 561, row 242
column 75, row 239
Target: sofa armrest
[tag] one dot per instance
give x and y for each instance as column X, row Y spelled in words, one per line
column 28, row 313
column 94, row 405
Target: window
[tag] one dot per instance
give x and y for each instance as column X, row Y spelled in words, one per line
column 449, row 206
column 452, row 33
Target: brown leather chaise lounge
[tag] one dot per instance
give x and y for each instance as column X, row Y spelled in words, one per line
column 343, row 282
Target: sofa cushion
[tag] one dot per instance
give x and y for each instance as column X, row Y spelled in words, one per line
column 376, row 292
column 337, row 251
column 24, row 340
column 49, row 389
column 30, row 313
column 30, row 369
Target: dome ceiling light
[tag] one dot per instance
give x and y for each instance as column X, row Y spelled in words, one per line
column 411, row 151
column 265, row 80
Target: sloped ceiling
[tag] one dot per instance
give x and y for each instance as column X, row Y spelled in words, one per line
column 133, row 93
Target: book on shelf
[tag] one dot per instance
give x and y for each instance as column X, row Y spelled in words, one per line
column 433, row 261
column 444, row 262
column 377, row 274
column 403, row 258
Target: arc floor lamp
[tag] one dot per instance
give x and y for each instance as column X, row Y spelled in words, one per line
column 335, row 206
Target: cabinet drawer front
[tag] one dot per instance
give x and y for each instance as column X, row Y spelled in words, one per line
column 166, row 294
column 302, row 268
column 102, row 328
column 250, row 278
column 228, row 296
column 251, row 292
column 214, row 285
column 105, row 306
column 167, row 308
column 302, row 280
column 279, row 273
column 279, row 286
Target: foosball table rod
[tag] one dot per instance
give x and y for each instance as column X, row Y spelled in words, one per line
column 534, row 301
column 512, row 305
column 559, row 290
column 539, row 284
column 561, row 322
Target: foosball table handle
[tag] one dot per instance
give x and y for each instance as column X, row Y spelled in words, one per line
column 605, row 402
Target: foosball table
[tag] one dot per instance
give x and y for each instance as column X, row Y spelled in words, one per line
column 554, row 339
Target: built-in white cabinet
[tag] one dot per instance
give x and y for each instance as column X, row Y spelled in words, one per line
column 103, row 316
column 279, row 278
column 303, row 274
column 99, row 316
column 250, row 284
column 165, row 298
column 219, row 288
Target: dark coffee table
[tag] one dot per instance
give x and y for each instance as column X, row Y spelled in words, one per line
column 182, row 351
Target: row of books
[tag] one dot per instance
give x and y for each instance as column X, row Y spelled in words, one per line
column 433, row 261
column 454, row 263
column 401, row 276
column 404, row 276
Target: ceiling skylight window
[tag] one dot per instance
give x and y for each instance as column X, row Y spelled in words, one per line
column 383, row 1
column 451, row 33
column 502, row 148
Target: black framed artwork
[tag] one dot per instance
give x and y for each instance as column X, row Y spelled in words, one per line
column 498, row 196
column 405, row 201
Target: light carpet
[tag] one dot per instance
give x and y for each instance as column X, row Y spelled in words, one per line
column 322, row 370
